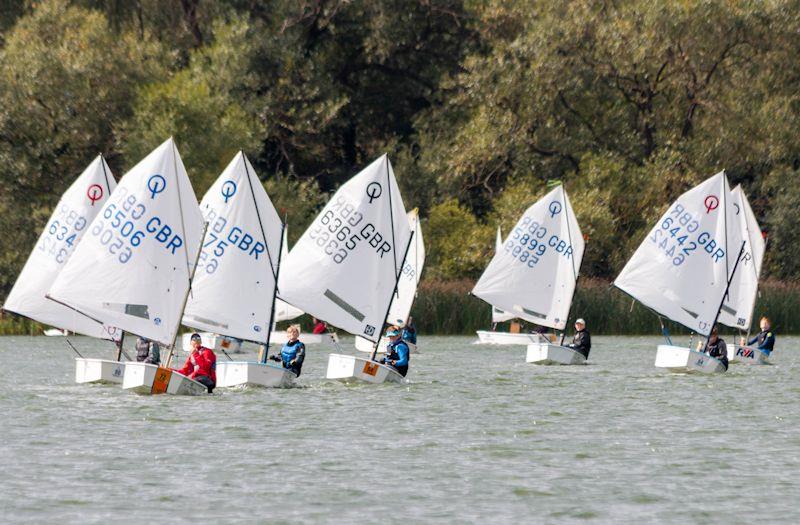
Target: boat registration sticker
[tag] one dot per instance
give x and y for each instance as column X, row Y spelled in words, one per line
column 370, row 368
column 161, row 380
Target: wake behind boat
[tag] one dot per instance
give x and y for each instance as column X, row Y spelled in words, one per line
column 534, row 275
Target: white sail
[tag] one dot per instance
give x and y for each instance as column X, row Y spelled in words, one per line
column 345, row 266
column 132, row 270
column 534, row 274
column 737, row 311
column 681, row 268
column 67, row 225
column 283, row 310
column 234, row 283
column 409, row 278
column 498, row 314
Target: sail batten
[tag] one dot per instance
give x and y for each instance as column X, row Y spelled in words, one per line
column 533, row 275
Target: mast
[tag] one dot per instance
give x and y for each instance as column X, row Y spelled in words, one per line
column 274, row 296
column 186, row 296
column 394, row 291
column 724, row 295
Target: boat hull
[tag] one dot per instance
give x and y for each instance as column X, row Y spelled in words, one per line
column 218, row 343
column 747, row 355
column 252, row 373
column 486, row 337
column 551, row 354
column 144, row 378
column 349, row 368
column 307, row 339
column 365, row 345
column 680, row 359
column 99, row 371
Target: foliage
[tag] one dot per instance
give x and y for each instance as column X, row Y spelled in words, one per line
column 479, row 104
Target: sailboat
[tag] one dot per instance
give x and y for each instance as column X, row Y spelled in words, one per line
column 134, row 269
column 406, row 287
column 346, row 266
column 70, row 220
column 737, row 312
column 535, row 273
column 234, row 291
column 684, row 267
column 492, row 337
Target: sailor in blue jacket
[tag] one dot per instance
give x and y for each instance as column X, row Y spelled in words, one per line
column 397, row 352
column 765, row 339
column 293, row 352
column 410, row 332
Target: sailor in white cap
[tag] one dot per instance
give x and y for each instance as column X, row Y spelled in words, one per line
column 582, row 341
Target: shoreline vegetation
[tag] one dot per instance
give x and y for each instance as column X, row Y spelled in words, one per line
column 446, row 308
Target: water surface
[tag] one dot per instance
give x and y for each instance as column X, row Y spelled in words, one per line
column 477, row 436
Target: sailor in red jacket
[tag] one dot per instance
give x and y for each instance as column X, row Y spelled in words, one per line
column 201, row 365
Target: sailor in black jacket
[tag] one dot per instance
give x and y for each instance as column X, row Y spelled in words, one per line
column 716, row 347
column 582, row 341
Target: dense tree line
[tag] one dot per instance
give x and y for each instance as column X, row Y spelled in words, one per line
column 479, row 103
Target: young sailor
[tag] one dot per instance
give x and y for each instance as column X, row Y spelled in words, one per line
column 201, row 364
column 765, row 338
column 397, row 352
column 715, row 347
column 582, row 341
column 410, row 331
column 319, row 326
column 147, row 351
column 293, row 352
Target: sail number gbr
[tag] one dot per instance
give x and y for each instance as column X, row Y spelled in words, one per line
column 341, row 228
column 677, row 237
column 529, row 242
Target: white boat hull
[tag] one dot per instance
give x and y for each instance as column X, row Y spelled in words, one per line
column 98, row 370
column 144, row 378
column 747, row 355
column 252, row 373
column 349, row 368
column 551, row 354
column 486, row 337
column 55, row 332
column 307, row 339
column 680, row 359
column 365, row 345
column 212, row 341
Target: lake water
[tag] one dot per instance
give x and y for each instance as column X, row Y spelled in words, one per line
column 477, row 436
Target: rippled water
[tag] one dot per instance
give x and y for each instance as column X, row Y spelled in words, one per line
column 477, row 436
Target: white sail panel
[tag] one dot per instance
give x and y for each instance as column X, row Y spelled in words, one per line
column 67, row 225
column 234, row 284
column 132, row 269
column 283, row 310
column 409, row 278
column 345, row 266
column 681, row 268
column 737, row 311
column 498, row 314
column 535, row 272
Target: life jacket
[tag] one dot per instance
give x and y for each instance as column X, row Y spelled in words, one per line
column 290, row 351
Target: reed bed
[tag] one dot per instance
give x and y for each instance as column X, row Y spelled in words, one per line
column 446, row 308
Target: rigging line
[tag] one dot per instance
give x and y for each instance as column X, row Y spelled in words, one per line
column 180, row 210
column 391, row 219
column 105, row 173
column 260, row 223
